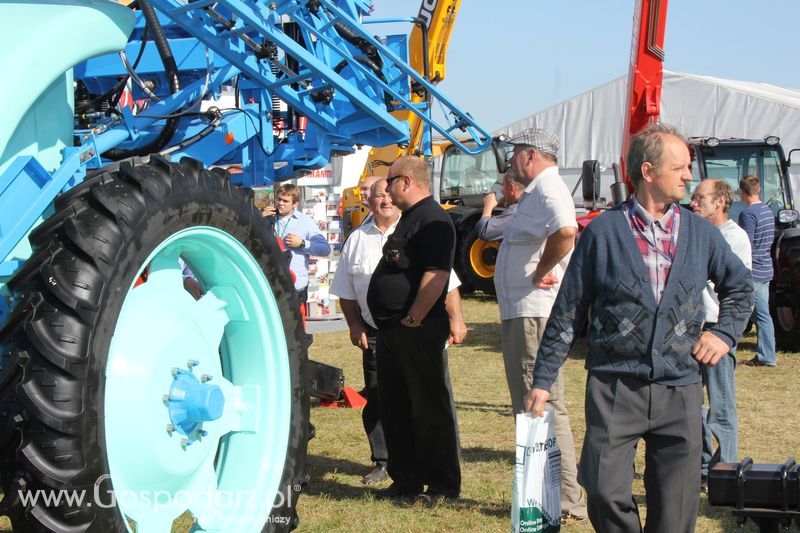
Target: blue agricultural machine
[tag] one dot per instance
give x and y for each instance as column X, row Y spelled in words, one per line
column 115, row 383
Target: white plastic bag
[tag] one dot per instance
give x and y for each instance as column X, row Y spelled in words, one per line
column 536, row 496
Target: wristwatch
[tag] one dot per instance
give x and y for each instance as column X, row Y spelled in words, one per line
column 303, row 243
column 412, row 321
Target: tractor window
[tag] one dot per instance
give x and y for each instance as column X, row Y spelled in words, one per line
column 467, row 175
column 733, row 162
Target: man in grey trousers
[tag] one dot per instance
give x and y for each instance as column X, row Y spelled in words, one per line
column 535, row 251
column 638, row 273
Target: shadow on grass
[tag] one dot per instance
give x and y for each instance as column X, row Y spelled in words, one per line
column 324, row 472
column 503, row 409
column 479, row 454
column 483, row 336
column 479, row 296
column 746, row 345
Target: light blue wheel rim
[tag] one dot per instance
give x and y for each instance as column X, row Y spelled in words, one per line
column 230, row 477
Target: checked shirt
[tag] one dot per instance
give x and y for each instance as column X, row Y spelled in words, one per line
column 657, row 240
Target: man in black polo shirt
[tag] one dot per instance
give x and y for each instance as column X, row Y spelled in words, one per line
column 407, row 300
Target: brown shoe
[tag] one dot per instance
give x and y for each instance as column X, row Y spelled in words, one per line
column 376, row 475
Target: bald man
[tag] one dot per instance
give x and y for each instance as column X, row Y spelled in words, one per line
column 406, row 299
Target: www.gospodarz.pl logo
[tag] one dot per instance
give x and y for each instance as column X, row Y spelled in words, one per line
column 104, row 497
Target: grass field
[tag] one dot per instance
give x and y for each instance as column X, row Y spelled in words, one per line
column 339, row 455
column 335, row 499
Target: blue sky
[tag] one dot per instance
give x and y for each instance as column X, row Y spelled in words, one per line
column 517, row 57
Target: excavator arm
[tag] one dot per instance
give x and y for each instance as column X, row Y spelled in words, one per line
column 646, row 72
column 428, row 46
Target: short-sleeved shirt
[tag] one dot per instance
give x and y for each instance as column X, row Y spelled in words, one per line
column 740, row 245
column 361, row 253
column 424, row 240
column 545, row 207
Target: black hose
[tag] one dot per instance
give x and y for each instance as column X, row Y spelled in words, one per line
column 171, row 71
column 359, row 42
column 367, row 62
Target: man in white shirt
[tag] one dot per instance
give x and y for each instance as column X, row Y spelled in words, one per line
column 533, row 256
column 360, row 256
column 711, row 200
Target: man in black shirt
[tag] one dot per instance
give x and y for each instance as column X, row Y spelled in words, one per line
column 407, row 300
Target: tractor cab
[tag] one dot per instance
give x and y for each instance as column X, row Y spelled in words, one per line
column 465, row 179
column 732, row 159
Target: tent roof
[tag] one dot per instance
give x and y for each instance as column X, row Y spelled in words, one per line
column 590, row 124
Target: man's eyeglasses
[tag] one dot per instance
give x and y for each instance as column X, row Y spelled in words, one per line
column 699, row 197
column 390, row 179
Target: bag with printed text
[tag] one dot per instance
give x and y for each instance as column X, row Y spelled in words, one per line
column 536, row 496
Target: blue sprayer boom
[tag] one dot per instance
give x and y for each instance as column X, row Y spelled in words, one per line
column 120, row 126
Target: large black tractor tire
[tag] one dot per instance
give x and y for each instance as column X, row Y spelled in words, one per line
column 68, row 300
column 787, row 327
column 785, row 291
column 475, row 262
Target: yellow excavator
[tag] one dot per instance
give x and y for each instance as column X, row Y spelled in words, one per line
column 427, row 50
column 462, row 179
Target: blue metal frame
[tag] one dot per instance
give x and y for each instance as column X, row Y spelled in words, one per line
column 211, row 58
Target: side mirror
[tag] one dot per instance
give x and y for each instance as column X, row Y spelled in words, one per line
column 619, row 190
column 590, row 183
column 500, row 147
column 789, row 156
column 788, row 216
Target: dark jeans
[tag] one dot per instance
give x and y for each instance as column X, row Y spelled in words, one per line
column 371, row 416
column 417, row 407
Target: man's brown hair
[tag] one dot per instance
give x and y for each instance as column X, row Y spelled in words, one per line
column 751, row 185
column 287, row 189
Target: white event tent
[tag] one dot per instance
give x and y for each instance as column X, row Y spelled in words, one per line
column 590, row 124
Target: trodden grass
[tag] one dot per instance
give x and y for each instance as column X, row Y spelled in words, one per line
column 335, row 499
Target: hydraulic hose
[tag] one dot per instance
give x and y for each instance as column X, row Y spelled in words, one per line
column 359, row 42
column 171, row 71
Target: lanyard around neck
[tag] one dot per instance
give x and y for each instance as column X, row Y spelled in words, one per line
column 282, row 234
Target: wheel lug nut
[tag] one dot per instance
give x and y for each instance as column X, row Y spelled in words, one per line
column 174, row 371
column 205, row 378
column 165, row 398
column 192, row 363
column 202, row 432
column 170, row 428
column 184, row 442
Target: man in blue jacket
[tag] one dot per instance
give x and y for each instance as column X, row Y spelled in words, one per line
column 639, row 272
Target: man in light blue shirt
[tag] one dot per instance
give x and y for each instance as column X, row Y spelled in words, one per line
column 299, row 233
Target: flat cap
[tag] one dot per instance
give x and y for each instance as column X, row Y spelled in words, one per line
column 538, row 139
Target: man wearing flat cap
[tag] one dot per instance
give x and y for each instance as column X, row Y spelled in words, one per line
column 532, row 259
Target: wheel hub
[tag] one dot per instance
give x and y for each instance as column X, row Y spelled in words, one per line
column 192, row 402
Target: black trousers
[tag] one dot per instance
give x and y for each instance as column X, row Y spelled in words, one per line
column 417, row 408
column 371, row 414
